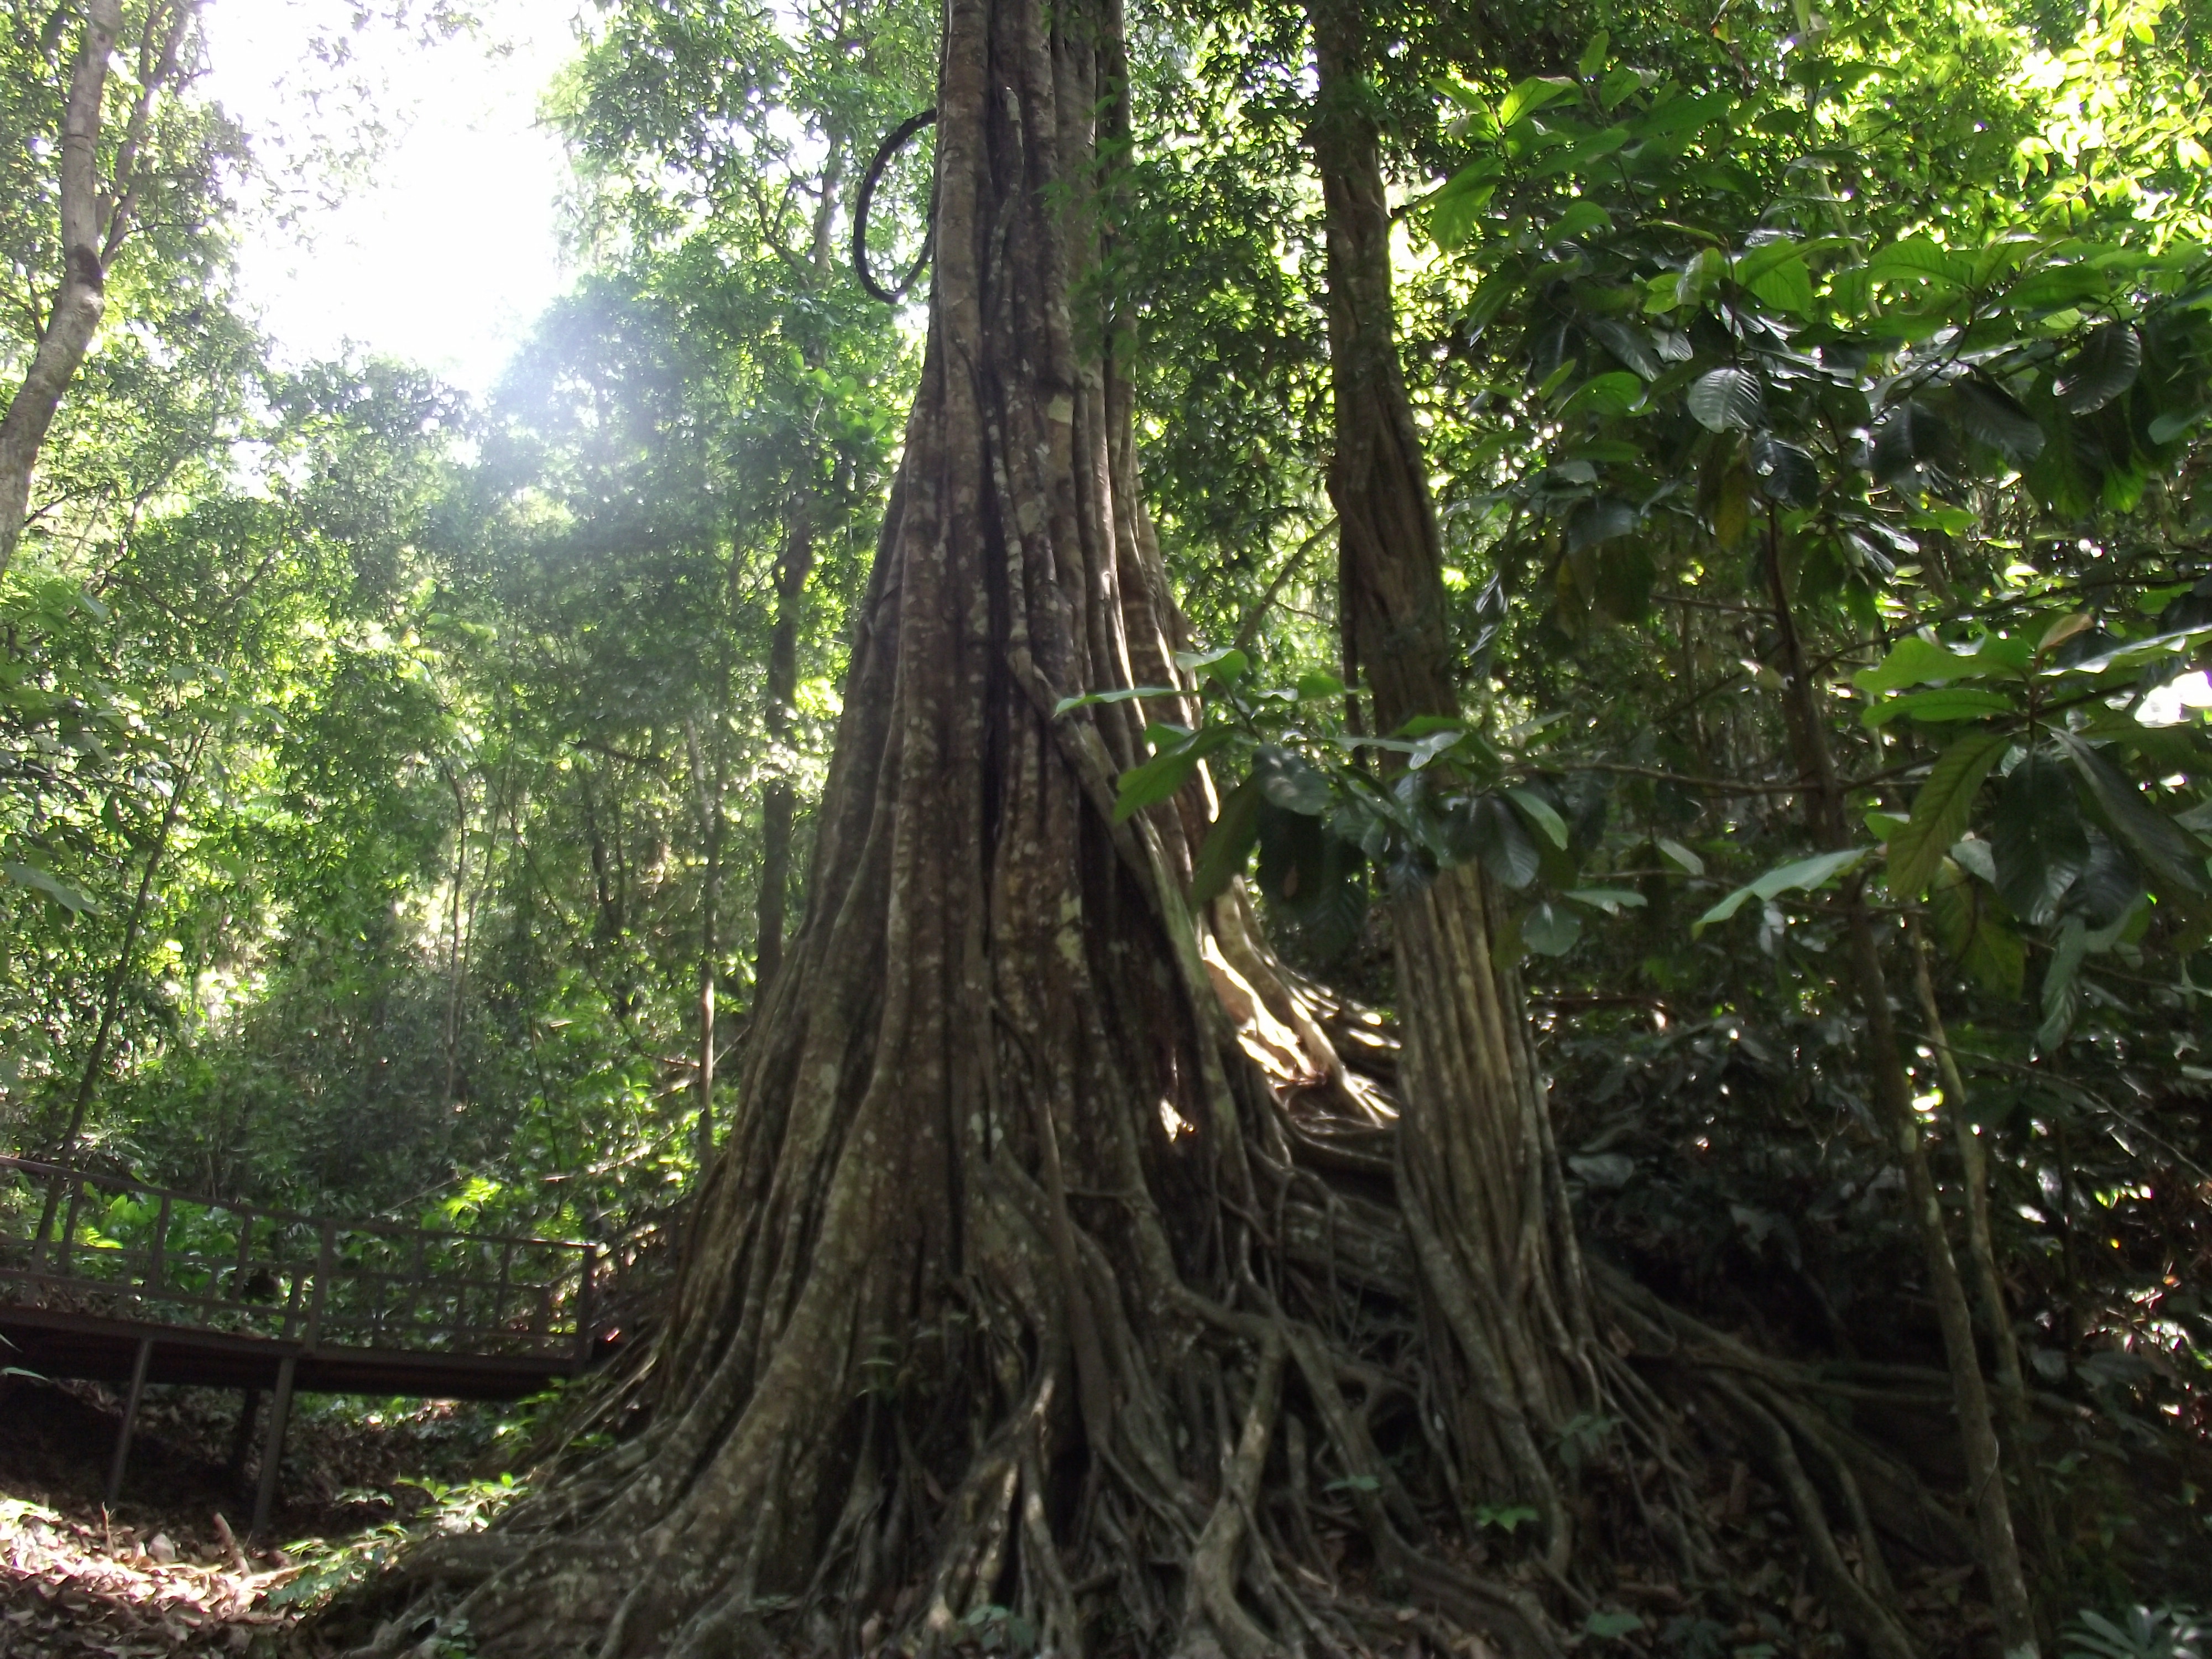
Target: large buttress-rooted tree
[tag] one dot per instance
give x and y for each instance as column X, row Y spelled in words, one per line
column 1024, row 1291
column 976, row 1311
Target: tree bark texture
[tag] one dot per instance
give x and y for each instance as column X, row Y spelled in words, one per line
column 1478, row 1172
column 81, row 298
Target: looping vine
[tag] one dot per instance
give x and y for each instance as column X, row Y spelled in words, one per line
column 901, row 135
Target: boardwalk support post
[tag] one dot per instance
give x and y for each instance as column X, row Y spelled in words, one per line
column 585, row 1290
column 129, row 1419
column 273, row 1448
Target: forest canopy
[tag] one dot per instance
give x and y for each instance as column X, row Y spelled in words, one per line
column 1685, row 532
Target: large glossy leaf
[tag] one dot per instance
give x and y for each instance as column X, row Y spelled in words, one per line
column 1974, row 932
column 1912, row 436
column 1614, row 393
column 1291, row 781
column 1915, row 661
column 2170, row 856
column 1630, row 344
column 2105, row 367
column 1599, row 520
column 1993, row 417
column 1531, row 95
column 1726, row 397
column 1941, row 811
column 1785, row 473
column 1802, row 875
column 1166, row 772
column 1938, row 707
column 1503, row 844
column 1541, row 814
column 1229, row 841
column 1550, row 928
column 2040, row 844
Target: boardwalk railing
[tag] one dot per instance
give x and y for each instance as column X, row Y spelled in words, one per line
column 81, row 1242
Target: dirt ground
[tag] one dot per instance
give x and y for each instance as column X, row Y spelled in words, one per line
column 167, row 1570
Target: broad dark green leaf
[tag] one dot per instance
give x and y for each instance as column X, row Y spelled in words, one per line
column 1911, row 436
column 1540, row 813
column 1630, row 344
column 1726, row 398
column 1291, row 781
column 1502, row 844
column 2171, row 857
column 2040, row 844
column 1550, row 928
column 1974, row 932
column 1942, row 810
column 1597, row 521
column 1615, row 392
column 1227, row 842
column 1785, row 473
column 1951, row 703
column 1993, row 417
column 1166, row 772
column 2105, row 367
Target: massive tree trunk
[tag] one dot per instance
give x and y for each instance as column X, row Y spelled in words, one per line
column 979, row 1312
column 1478, row 1174
column 1018, row 1308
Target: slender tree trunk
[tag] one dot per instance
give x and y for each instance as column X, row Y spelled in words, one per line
column 81, row 298
column 453, row 957
column 1478, row 1173
column 111, row 1001
column 1982, row 1251
column 707, row 786
column 778, row 800
column 1890, row 1081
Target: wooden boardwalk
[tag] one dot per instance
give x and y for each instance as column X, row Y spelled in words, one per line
column 106, row 1277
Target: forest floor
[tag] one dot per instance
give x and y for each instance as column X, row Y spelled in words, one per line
column 157, row 1575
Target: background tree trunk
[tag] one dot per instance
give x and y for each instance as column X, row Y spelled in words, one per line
column 81, row 298
column 707, row 786
column 778, row 801
column 1478, row 1175
column 94, row 223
